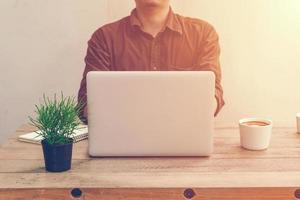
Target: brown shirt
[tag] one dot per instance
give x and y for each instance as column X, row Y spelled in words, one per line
column 185, row 44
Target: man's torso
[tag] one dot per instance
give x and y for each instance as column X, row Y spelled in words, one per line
column 177, row 47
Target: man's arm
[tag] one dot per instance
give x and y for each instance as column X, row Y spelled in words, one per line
column 209, row 54
column 97, row 59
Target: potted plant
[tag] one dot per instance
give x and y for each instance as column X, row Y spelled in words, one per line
column 56, row 121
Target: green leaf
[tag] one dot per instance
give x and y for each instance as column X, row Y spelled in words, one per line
column 57, row 118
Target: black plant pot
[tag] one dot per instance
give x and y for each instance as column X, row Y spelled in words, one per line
column 57, row 158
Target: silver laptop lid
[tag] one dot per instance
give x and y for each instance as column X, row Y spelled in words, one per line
column 150, row 113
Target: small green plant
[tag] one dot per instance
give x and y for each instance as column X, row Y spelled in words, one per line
column 57, row 119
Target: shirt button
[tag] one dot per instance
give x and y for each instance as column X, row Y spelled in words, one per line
column 155, row 68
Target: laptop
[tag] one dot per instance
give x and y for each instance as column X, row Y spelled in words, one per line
column 133, row 113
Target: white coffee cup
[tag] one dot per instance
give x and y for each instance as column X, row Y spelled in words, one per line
column 298, row 122
column 255, row 133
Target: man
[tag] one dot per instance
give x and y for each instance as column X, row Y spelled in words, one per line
column 153, row 38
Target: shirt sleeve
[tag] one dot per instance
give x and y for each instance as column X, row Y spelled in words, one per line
column 97, row 59
column 208, row 60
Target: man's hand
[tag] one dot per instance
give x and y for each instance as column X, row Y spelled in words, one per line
column 215, row 106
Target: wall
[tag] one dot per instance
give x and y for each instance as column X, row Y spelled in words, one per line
column 43, row 44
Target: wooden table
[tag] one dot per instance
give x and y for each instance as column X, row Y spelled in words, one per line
column 231, row 173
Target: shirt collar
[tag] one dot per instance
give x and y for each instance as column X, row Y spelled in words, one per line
column 172, row 21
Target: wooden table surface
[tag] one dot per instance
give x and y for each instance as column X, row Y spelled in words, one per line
column 230, row 173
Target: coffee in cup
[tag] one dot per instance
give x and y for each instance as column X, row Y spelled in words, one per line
column 255, row 133
column 255, row 123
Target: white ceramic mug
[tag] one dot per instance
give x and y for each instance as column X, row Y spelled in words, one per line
column 298, row 122
column 255, row 133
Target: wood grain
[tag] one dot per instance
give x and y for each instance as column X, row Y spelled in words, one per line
column 230, row 173
column 152, row 194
